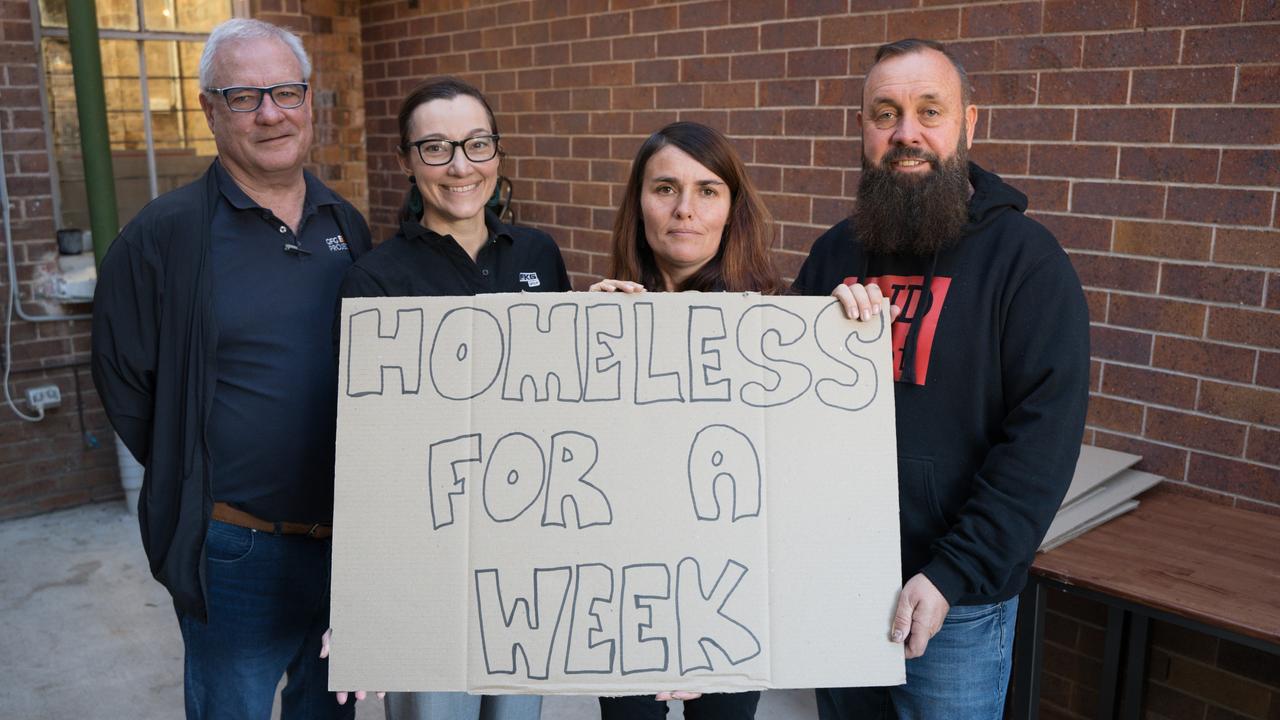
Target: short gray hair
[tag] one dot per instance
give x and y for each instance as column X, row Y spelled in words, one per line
column 237, row 29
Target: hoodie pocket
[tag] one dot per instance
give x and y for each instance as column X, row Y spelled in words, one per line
column 919, row 512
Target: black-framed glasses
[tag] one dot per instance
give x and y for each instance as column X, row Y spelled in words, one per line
column 247, row 98
column 438, row 151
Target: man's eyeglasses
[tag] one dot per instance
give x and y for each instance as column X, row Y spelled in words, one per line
column 244, row 98
column 437, row 151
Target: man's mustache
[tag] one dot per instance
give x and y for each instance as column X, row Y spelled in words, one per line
column 902, row 152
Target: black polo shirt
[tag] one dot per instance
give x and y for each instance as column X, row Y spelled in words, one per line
column 271, row 427
column 418, row 262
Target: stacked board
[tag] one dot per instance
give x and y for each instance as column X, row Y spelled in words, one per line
column 1104, row 487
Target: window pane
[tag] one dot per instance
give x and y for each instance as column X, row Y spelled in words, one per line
column 112, row 14
column 185, row 15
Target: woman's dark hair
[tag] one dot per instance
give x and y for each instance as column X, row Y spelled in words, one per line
column 742, row 262
column 440, row 88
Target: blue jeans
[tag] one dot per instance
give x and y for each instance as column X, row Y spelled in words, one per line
column 461, row 706
column 963, row 674
column 268, row 606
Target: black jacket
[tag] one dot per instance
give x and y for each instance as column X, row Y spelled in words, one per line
column 989, row 430
column 155, row 342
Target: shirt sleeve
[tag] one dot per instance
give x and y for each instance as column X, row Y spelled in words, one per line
column 1017, row 490
column 126, row 324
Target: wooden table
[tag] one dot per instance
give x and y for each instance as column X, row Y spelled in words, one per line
column 1209, row 567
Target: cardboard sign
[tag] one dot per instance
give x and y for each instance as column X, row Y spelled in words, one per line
column 613, row 494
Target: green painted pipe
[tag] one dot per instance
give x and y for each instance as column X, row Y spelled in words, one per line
column 95, row 139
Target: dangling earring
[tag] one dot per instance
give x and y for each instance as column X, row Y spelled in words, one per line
column 415, row 198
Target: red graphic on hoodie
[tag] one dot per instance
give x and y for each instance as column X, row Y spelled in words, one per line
column 907, row 292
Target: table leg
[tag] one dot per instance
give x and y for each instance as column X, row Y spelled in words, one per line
column 1028, row 651
column 1113, row 650
column 1135, row 670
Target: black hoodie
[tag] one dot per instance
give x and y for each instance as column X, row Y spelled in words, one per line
column 990, row 418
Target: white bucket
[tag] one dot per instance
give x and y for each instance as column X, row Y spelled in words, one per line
column 130, row 475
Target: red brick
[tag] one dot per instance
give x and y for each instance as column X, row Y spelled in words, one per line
column 1038, row 52
column 1250, row 167
column 995, row 20
column 1109, row 272
column 1229, row 45
column 814, row 122
column 1078, row 161
column 1169, row 164
column 1260, row 10
column 1002, row 158
column 784, row 151
column 733, row 40
column 1218, row 205
column 1004, row 88
column 1163, row 240
column 1088, row 87
column 1132, row 49
column 1247, row 247
column 1240, row 402
column 1075, row 15
column 574, row 28
column 1031, row 124
column 853, row 30
column 1263, row 445
column 1159, row 314
column 752, row 12
column 1163, row 460
column 1208, row 282
column 1115, row 414
column 857, row 6
column 1182, row 85
column 775, row 93
column 837, row 153
column 817, row 63
column 704, row 69
column 933, row 24
column 1235, row 477
column 1206, row 359
column 731, row 94
column 1228, row 126
column 1078, row 233
column 787, row 208
column 812, row 181
column 605, row 25
column 1148, row 386
column 1196, row 432
column 799, row 34
column 755, row 122
column 681, row 43
column 805, row 8
column 758, row 66
column 1120, row 345
column 679, row 96
column 1258, row 328
column 1147, row 125
column 704, row 14
column 1118, row 199
column 658, row 19
column 840, row 91
column 1166, row 13
column 1257, row 84
column 1047, row 195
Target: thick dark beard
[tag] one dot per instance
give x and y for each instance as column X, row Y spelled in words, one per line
column 897, row 213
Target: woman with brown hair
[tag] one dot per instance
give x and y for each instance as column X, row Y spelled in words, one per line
column 690, row 219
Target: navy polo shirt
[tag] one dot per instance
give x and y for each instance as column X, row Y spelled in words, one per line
column 271, row 428
column 421, row 262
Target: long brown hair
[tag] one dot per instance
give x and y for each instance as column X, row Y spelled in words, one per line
column 441, row 88
column 742, row 262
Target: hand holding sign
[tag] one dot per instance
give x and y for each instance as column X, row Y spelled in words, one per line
column 921, row 610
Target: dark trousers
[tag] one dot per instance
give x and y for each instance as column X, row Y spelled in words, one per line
column 712, row 706
column 268, row 606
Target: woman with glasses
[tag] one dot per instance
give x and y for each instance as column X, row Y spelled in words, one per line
column 449, row 244
column 690, row 219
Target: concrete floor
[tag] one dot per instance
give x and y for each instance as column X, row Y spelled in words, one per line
column 86, row 633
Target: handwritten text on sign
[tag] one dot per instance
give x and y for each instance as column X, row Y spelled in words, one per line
column 588, row 493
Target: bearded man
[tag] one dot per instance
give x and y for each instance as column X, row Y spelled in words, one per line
column 991, row 363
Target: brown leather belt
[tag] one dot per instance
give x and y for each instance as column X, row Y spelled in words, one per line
column 227, row 514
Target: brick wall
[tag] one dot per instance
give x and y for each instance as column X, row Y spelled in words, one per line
column 1146, row 133
column 52, row 463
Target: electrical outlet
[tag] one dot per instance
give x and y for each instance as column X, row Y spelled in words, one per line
column 44, row 396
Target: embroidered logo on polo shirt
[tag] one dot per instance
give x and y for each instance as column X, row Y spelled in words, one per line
column 336, row 244
column 530, row 279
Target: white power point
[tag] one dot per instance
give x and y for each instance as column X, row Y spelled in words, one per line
column 44, row 396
